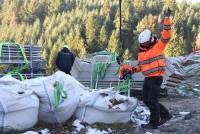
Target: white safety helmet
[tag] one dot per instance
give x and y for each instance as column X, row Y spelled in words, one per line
column 65, row 46
column 145, row 36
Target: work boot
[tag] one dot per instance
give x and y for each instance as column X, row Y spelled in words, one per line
column 164, row 120
column 149, row 126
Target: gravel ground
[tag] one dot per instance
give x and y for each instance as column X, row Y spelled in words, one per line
column 179, row 124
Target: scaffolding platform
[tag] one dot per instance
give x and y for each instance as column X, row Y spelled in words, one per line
column 13, row 55
column 83, row 68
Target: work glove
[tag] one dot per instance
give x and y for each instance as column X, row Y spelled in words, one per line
column 167, row 13
column 134, row 69
column 127, row 74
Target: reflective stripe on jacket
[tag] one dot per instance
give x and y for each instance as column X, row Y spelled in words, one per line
column 152, row 61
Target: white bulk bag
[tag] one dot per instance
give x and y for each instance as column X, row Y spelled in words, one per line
column 44, row 88
column 105, row 106
column 18, row 107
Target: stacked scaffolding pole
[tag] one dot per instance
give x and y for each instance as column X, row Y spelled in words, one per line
column 23, row 59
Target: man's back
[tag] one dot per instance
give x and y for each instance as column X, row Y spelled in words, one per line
column 65, row 60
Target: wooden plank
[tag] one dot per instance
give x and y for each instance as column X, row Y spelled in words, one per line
column 174, row 80
column 170, row 84
column 177, row 76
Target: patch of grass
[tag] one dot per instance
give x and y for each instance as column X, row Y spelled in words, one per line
column 65, row 128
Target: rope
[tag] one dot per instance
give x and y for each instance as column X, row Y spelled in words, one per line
column 16, row 70
column 2, row 110
column 16, row 73
column 101, row 68
column 123, row 86
column 59, row 94
column 49, row 102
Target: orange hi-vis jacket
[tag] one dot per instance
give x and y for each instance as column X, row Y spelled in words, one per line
column 152, row 61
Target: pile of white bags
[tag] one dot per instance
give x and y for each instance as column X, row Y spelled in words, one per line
column 44, row 87
column 18, row 107
column 105, row 106
column 54, row 99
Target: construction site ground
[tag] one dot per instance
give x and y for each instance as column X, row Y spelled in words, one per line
column 179, row 124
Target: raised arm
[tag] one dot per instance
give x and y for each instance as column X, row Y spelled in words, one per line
column 166, row 32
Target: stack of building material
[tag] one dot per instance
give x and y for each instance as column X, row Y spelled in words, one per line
column 83, row 71
column 23, row 59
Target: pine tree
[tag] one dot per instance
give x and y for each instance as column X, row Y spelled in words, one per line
column 53, row 52
column 108, row 25
column 154, row 6
column 21, row 32
column 197, row 46
column 76, row 43
column 103, row 39
column 127, row 54
column 176, row 47
column 113, row 45
column 45, row 54
column 51, row 64
column 169, row 3
column 36, row 31
column 106, row 8
column 54, row 6
column 91, row 33
column 148, row 22
column 140, row 8
column 8, row 8
column 139, row 4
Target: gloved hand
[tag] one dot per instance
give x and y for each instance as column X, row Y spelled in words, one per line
column 127, row 74
column 167, row 13
column 134, row 69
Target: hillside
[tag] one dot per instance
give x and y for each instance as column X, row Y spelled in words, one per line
column 93, row 25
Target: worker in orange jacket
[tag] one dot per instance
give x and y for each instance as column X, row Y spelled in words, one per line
column 151, row 63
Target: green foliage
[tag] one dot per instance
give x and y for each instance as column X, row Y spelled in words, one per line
column 88, row 26
column 176, row 47
column 114, row 43
column 197, row 46
column 106, row 8
column 76, row 43
column 91, row 32
column 127, row 55
column 103, row 39
column 148, row 22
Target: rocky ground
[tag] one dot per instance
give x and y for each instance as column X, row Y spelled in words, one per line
column 181, row 123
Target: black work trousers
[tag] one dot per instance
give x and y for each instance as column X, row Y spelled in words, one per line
column 150, row 96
